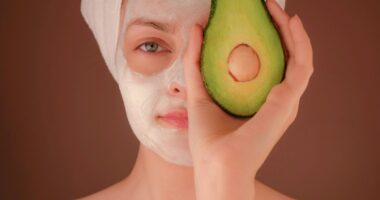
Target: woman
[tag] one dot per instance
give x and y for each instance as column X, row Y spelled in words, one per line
column 190, row 148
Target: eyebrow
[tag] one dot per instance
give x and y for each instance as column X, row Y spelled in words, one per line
column 165, row 27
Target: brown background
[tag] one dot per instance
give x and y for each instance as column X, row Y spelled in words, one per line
column 64, row 133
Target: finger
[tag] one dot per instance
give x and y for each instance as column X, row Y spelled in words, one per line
column 300, row 67
column 303, row 48
column 281, row 19
column 274, row 116
column 194, row 82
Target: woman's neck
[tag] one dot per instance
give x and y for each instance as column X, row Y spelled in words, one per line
column 154, row 178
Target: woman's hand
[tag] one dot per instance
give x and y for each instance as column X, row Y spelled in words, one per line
column 227, row 152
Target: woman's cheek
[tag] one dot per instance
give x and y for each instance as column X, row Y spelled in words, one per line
column 147, row 63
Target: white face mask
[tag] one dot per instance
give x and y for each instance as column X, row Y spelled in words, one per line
column 147, row 96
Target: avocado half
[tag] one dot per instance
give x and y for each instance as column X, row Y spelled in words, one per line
column 234, row 23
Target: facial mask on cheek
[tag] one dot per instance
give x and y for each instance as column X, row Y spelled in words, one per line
column 146, row 97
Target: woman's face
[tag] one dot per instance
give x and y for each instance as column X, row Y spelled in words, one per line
column 153, row 38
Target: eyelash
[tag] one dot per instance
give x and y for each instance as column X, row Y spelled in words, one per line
column 143, row 47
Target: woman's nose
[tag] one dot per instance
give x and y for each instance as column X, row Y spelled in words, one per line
column 177, row 90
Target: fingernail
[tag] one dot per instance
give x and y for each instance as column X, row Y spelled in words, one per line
column 297, row 18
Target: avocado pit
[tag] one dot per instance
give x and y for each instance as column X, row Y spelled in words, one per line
column 243, row 63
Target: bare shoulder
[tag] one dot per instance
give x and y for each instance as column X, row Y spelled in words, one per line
column 264, row 192
column 120, row 191
column 114, row 192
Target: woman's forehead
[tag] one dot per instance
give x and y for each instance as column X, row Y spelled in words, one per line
column 168, row 10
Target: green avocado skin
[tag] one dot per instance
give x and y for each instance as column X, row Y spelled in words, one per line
column 230, row 24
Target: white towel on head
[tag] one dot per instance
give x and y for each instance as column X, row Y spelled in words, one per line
column 102, row 16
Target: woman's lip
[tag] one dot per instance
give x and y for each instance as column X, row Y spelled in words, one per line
column 175, row 119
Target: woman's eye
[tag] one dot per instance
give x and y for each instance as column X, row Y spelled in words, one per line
column 150, row 47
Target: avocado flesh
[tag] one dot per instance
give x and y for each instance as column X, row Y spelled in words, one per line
column 230, row 24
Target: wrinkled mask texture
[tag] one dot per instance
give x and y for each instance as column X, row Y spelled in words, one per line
column 146, row 96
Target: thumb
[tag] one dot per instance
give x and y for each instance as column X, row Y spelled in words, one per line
column 196, row 91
